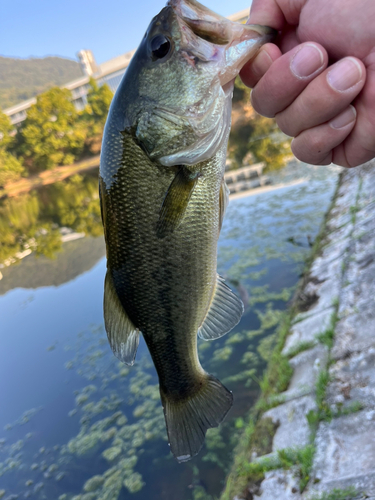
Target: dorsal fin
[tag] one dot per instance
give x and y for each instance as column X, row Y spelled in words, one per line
column 123, row 336
column 224, row 313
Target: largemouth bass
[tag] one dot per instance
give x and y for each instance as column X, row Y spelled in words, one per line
column 163, row 200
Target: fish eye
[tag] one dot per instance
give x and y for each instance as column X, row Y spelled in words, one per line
column 160, row 47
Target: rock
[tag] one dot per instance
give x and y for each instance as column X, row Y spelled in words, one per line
column 280, row 485
column 308, row 329
column 293, row 430
column 345, row 454
column 355, row 333
column 353, row 380
column 306, row 365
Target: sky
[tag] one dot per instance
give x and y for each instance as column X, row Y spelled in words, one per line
column 108, row 27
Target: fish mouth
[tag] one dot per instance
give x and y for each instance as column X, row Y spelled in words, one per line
column 238, row 42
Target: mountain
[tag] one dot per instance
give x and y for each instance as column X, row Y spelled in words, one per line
column 21, row 79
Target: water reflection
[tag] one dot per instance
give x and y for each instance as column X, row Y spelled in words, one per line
column 33, row 221
column 76, row 423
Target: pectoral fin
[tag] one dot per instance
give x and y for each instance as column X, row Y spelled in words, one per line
column 176, row 201
column 123, row 336
column 224, row 313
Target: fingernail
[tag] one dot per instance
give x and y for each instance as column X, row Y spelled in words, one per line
column 261, row 63
column 345, row 74
column 345, row 118
column 306, row 61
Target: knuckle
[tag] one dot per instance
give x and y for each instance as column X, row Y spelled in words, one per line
column 286, row 125
column 310, row 148
column 260, row 104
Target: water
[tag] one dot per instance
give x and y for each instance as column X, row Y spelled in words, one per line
column 69, row 411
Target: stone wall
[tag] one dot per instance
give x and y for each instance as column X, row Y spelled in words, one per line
column 329, row 407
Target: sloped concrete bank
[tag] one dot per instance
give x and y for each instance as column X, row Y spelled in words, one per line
column 319, row 431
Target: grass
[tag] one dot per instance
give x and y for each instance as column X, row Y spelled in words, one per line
column 301, row 347
column 327, row 337
column 338, row 494
column 300, row 459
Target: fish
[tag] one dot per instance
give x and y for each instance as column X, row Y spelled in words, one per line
column 163, row 199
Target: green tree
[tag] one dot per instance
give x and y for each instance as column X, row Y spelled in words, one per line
column 254, row 134
column 52, row 134
column 6, row 128
column 98, row 101
column 95, row 114
column 11, row 168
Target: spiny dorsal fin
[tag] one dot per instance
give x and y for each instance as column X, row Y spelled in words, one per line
column 123, row 336
column 224, row 313
column 188, row 420
column 176, row 201
column 223, row 201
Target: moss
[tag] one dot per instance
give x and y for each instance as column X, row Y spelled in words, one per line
column 301, row 347
column 337, row 494
column 264, row 432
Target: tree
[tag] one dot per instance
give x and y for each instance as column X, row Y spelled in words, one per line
column 98, row 101
column 95, row 114
column 255, row 135
column 52, row 134
column 6, row 128
column 11, row 168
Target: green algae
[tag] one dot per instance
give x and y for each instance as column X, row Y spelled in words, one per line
column 222, row 354
column 134, row 483
column 94, row 483
column 111, row 454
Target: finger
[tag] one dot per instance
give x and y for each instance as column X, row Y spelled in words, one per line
column 288, row 39
column 360, row 145
column 267, row 13
column 253, row 71
column 287, row 78
column 316, row 145
column 324, row 98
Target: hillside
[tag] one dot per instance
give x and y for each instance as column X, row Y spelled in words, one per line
column 21, row 79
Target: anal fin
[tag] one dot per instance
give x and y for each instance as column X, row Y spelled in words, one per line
column 188, row 420
column 176, row 201
column 224, row 313
column 122, row 335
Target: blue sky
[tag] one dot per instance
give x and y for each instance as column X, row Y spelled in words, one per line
column 107, row 27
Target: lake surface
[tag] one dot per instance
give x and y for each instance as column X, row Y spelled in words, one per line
column 75, row 423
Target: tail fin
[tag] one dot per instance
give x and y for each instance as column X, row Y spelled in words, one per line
column 188, row 420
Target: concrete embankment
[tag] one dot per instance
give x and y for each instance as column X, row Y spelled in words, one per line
column 321, row 429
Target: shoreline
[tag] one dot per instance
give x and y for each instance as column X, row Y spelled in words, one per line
column 48, row 177
column 310, row 434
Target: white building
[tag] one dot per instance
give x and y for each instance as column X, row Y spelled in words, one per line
column 110, row 72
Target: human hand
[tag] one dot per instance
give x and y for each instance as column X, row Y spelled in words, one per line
column 329, row 110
